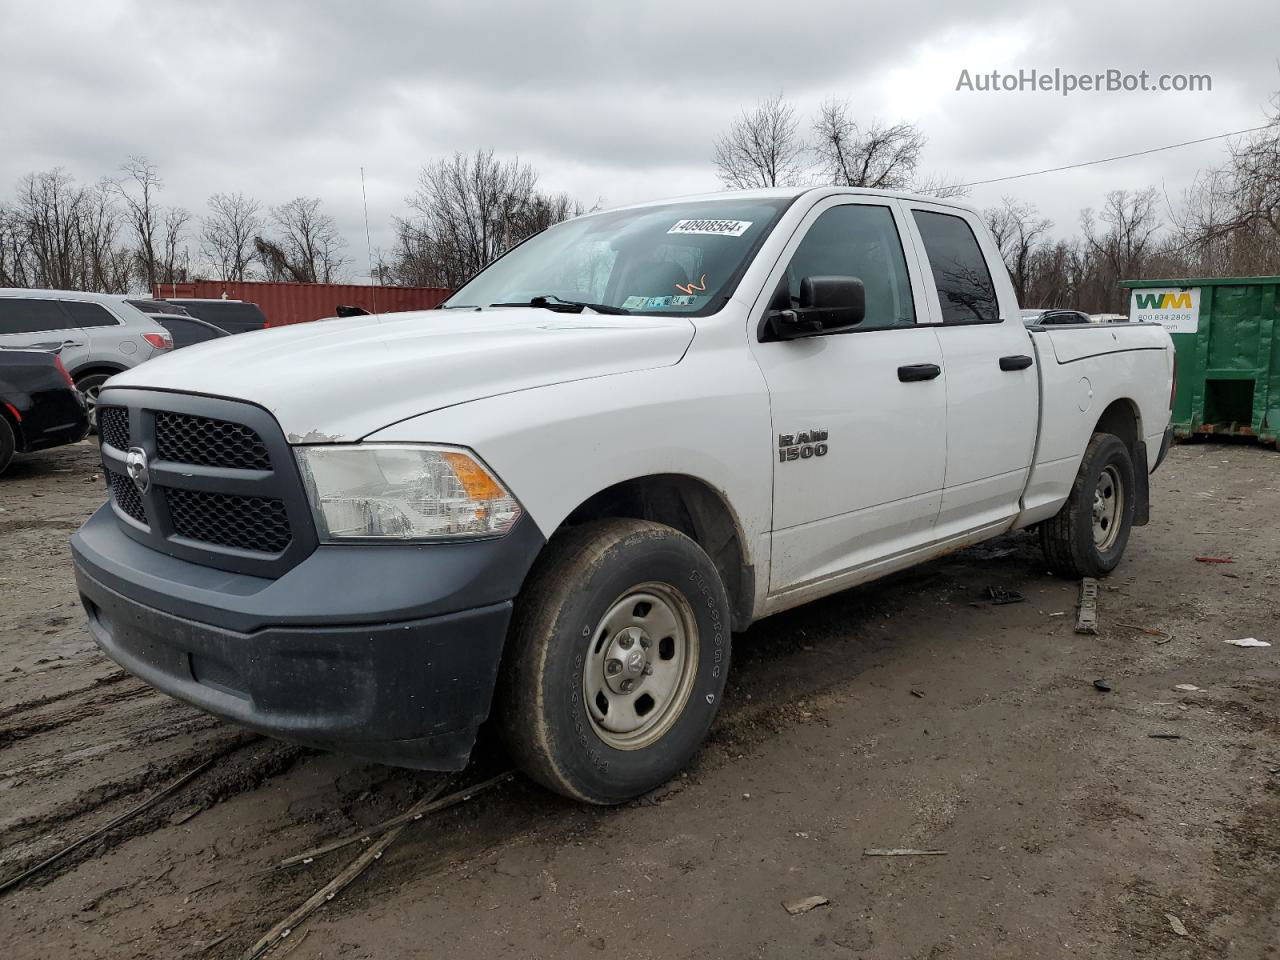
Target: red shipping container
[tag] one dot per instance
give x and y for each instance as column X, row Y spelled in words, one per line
column 285, row 303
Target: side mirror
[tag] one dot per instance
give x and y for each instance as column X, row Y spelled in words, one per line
column 827, row 305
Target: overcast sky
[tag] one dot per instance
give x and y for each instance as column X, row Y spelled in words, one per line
column 615, row 102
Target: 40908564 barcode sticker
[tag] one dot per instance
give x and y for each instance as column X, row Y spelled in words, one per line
column 722, row 228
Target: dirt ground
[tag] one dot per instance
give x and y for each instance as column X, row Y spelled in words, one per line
column 906, row 713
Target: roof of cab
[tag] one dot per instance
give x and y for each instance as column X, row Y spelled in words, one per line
column 785, row 193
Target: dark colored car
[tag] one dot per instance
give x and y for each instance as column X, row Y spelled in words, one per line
column 39, row 405
column 1042, row 318
column 233, row 316
column 187, row 331
column 155, row 307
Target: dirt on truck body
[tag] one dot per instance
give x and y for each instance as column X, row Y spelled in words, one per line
column 1142, row 819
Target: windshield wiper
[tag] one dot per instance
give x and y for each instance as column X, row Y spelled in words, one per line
column 560, row 304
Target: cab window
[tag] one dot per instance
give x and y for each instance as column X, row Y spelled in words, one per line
column 858, row 240
column 965, row 291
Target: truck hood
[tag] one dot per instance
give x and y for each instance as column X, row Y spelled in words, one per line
column 339, row 380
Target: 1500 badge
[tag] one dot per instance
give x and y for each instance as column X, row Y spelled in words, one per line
column 802, row 446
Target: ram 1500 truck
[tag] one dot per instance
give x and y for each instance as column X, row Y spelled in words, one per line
column 555, row 499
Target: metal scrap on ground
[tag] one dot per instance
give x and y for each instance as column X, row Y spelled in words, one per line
column 150, row 802
column 331, row 889
column 796, row 907
column 1087, row 610
column 901, row 852
column 416, row 812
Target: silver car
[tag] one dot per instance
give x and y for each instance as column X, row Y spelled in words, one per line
column 96, row 334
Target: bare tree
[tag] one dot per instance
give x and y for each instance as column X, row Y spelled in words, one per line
column 227, row 232
column 467, row 211
column 762, row 147
column 1123, row 240
column 850, row 154
column 138, row 189
column 308, row 248
column 1019, row 232
column 173, row 255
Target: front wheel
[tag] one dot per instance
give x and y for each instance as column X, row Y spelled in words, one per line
column 1088, row 536
column 617, row 660
column 90, row 386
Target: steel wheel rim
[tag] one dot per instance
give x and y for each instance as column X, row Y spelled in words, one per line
column 1108, row 508
column 91, row 402
column 640, row 666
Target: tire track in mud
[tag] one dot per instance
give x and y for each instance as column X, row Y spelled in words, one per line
column 245, row 761
column 37, row 702
column 90, row 708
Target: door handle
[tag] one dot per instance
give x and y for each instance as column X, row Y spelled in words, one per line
column 918, row 371
column 1017, row 362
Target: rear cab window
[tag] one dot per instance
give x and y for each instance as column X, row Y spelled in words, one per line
column 966, row 292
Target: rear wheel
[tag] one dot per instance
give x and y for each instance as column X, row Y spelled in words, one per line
column 90, row 385
column 8, row 443
column 1088, row 536
column 617, row 660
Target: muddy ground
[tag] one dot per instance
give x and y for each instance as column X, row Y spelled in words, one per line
column 903, row 714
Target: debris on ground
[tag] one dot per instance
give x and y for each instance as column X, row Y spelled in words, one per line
column 1102, row 685
column 1165, row 736
column 797, row 907
column 1177, row 925
column 1087, row 609
column 147, row 804
column 917, row 693
column 901, row 852
column 1214, row 560
column 1248, row 642
column 999, row 596
column 344, row 878
column 432, row 805
column 1187, row 687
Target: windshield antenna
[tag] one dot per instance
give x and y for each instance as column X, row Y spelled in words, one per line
column 368, row 240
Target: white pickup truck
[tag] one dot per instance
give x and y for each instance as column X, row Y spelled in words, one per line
column 554, row 499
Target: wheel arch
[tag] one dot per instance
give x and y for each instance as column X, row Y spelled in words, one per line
column 696, row 509
column 94, row 367
column 1123, row 418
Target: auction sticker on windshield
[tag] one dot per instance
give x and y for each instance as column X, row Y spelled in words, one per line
column 721, row 228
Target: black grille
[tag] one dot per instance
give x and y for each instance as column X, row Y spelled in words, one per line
column 206, row 442
column 126, row 495
column 113, row 426
column 246, row 523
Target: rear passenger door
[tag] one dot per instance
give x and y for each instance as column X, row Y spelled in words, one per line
column 34, row 323
column 859, row 417
column 992, row 384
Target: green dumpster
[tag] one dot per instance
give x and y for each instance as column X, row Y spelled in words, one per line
column 1226, row 331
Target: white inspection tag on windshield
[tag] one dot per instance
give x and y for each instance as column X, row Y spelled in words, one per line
column 723, row 228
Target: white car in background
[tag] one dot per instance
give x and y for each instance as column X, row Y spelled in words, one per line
column 97, row 335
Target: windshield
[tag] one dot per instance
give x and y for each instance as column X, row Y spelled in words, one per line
column 683, row 258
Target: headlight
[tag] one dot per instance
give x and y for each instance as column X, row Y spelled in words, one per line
column 403, row 492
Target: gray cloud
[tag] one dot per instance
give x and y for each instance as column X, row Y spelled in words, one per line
column 613, row 101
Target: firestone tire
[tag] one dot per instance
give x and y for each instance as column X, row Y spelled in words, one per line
column 1088, row 536
column 616, row 661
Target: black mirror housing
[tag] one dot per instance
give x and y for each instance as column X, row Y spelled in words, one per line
column 835, row 302
column 827, row 305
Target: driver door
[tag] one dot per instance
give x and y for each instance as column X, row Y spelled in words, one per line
column 859, row 417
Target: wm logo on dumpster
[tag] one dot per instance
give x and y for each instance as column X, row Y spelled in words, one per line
column 1163, row 301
